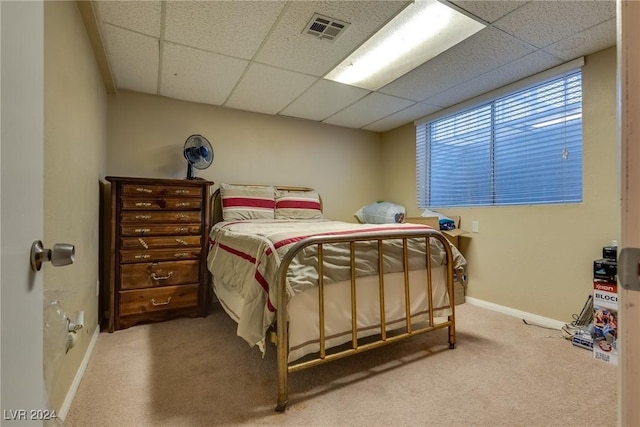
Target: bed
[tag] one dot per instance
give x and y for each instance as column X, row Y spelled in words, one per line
column 321, row 289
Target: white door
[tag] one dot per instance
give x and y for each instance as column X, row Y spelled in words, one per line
column 21, row 180
column 629, row 298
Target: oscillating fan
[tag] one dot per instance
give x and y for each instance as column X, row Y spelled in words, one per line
column 198, row 152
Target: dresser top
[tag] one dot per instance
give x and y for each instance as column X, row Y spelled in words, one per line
column 166, row 181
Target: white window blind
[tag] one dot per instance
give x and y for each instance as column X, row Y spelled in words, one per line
column 521, row 148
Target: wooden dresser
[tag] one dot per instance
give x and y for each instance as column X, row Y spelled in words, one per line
column 158, row 236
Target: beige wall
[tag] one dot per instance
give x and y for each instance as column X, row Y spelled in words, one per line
column 147, row 135
column 537, row 259
column 75, row 115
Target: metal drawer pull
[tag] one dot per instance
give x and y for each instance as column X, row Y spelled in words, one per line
column 181, row 229
column 143, row 243
column 143, row 190
column 181, row 254
column 153, row 301
column 154, row 276
column 143, row 216
column 142, row 230
column 183, row 216
column 143, row 204
column 182, row 242
column 183, row 204
column 143, row 256
column 183, row 192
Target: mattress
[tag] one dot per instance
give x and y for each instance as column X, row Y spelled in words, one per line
column 244, row 258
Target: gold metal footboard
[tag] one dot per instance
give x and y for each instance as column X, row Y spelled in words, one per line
column 284, row 367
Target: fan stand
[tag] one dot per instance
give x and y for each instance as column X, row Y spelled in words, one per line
column 190, row 171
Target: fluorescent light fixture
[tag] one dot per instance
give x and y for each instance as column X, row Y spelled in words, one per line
column 423, row 30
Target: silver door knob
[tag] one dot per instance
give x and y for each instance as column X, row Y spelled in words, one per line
column 60, row 254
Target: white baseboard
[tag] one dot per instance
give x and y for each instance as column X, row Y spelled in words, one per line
column 528, row 317
column 66, row 405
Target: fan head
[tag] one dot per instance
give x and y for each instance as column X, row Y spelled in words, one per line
column 198, row 152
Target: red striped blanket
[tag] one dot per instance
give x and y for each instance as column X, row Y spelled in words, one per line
column 245, row 256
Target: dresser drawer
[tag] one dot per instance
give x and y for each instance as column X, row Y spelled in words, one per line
column 159, row 230
column 149, row 217
column 149, row 275
column 160, row 242
column 160, row 189
column 161, row 203
column 153, row 255
column 158, row 299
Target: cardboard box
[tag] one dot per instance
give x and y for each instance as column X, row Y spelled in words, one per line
column 452, row 235
column 458, row 293
column 605, row 321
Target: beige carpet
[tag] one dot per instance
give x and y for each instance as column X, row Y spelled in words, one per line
column 196, row 372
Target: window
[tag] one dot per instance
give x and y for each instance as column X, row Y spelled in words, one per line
column 522, row 148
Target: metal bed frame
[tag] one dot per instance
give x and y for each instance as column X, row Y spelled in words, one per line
column 281, row 339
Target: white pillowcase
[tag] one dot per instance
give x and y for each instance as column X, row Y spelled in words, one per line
column 240, row 202
column 298, row 205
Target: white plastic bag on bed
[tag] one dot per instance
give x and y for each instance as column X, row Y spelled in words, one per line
column 381, row 213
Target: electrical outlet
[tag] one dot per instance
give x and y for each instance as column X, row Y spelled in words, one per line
column 475, row 226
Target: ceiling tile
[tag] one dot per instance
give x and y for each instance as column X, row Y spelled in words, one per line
column 476, row 55
column 234, row 28
column 134, row 59
column 323, row 99
column 267, row 89
column 489, row 11
column 253, row 55
column 542, row 23
column 289, row 47
column 592, row 40
column 199, row 76
column 509, row 73
column 402, row 117
column 367, row 110
column 140, row 16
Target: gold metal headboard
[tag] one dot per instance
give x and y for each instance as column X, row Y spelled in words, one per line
column 216, row 208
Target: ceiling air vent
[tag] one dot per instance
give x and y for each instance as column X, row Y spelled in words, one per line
column 324, row 27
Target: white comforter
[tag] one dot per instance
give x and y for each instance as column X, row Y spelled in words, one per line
column 245, row 256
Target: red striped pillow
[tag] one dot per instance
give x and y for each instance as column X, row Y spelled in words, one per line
column 298, row 205
column 240, row 202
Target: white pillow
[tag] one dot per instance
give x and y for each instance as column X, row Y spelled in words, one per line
column 298, row 205
column 381, row 213
column 240, row 202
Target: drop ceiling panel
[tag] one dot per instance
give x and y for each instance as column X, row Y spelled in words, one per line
column 555, row 20
column 253, row 55
column 367, row 110
column 403, row 117
column 474, row 56
column 509, row 73
column 134, row 59
column 234, row 28
column 323, row 99
column 140, row 16
column 266, row 89
column 489, row 11
column 592, row 40
column 288, row 47
column 195, row 75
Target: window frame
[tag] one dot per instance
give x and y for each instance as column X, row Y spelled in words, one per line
column 509, row 93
